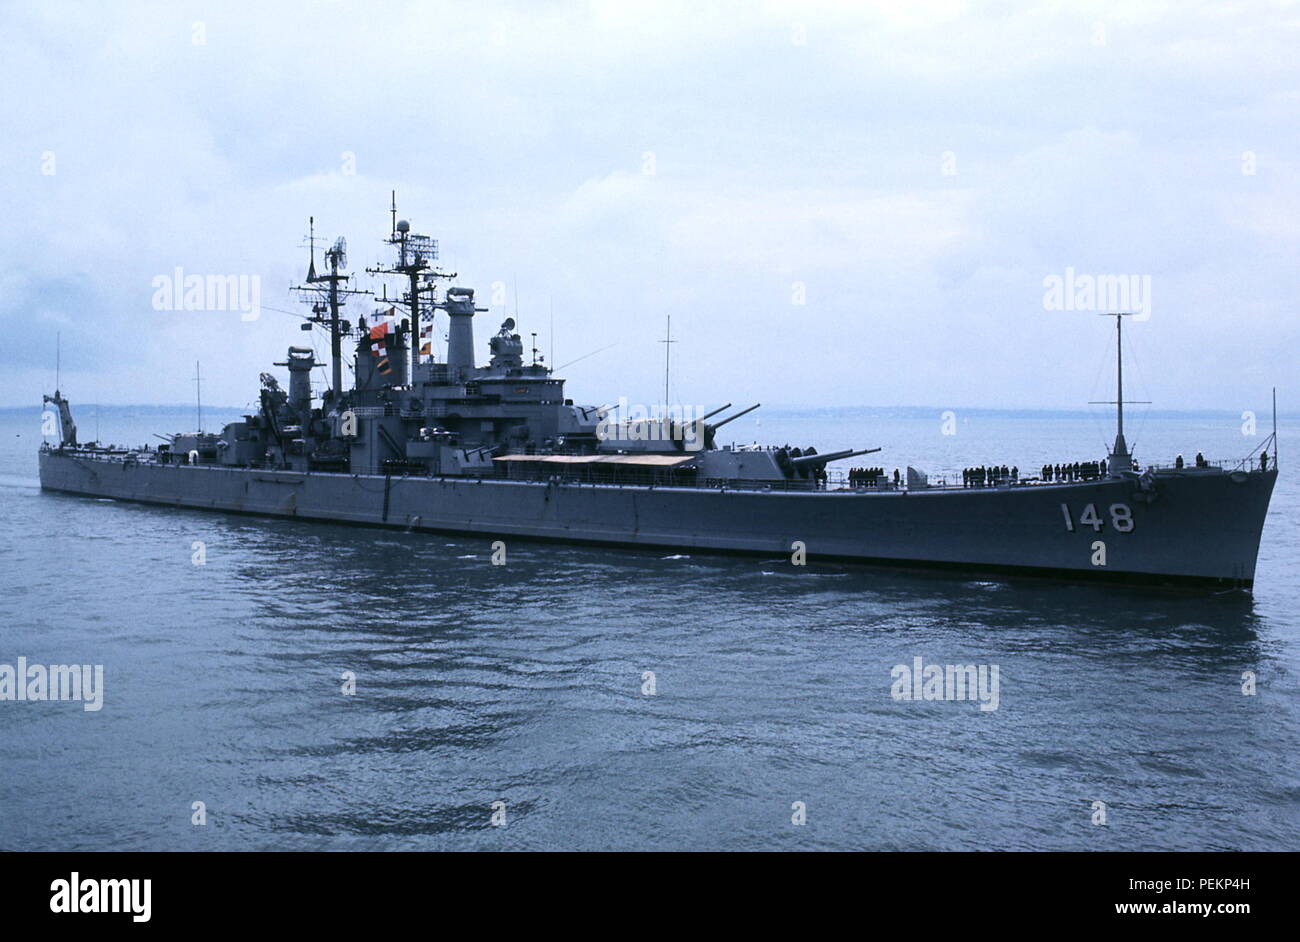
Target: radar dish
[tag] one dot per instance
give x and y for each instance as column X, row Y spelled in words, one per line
column 509, row 324
column 340, row 252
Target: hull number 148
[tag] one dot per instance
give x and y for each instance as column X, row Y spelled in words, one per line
column 1121, row 518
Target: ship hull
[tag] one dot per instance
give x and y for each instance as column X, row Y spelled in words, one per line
column 1194, row 528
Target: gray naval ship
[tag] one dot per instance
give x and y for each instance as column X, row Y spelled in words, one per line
column 497, row 451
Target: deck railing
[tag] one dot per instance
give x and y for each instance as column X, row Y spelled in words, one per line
column 835, row 480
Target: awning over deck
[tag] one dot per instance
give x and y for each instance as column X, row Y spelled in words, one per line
column 642, row 461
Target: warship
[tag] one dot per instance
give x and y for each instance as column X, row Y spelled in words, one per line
column 439, row 444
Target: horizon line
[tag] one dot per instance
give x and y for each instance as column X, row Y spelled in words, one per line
column 774, row 407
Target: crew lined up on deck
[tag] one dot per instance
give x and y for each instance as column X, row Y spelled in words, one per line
column 995, row 475
column 990, row 476
column 1078, row 471
column 865, row 477
column 872, row 477
column 1069, row 472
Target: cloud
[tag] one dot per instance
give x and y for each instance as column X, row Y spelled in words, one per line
column 917, row 168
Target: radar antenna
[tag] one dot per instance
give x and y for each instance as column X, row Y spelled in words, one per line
column 338, row 255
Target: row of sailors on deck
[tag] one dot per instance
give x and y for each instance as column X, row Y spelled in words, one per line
column 1079, row 471
column 989, row 477
column 868, row 477
column 1202, row 463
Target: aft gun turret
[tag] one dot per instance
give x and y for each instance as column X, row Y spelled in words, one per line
column 815, row 459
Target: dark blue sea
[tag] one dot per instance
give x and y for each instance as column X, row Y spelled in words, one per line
column 525, row 683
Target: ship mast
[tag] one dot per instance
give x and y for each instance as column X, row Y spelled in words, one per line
column 329, row 312
column 415, row 253
column 667, row 342
column 1120, row 459
column 1121, row 447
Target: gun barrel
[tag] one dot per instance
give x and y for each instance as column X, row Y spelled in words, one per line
column 714, row 426
column 713, row 413
column 806, row 460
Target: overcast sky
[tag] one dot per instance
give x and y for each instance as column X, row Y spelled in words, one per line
column 911, row 172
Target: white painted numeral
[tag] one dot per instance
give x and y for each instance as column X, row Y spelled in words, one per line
column 1089, row 518
column 1069, row 524
column 1121, row 518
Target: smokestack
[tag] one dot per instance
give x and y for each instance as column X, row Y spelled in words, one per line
column 300, row 361
column 460, row 335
